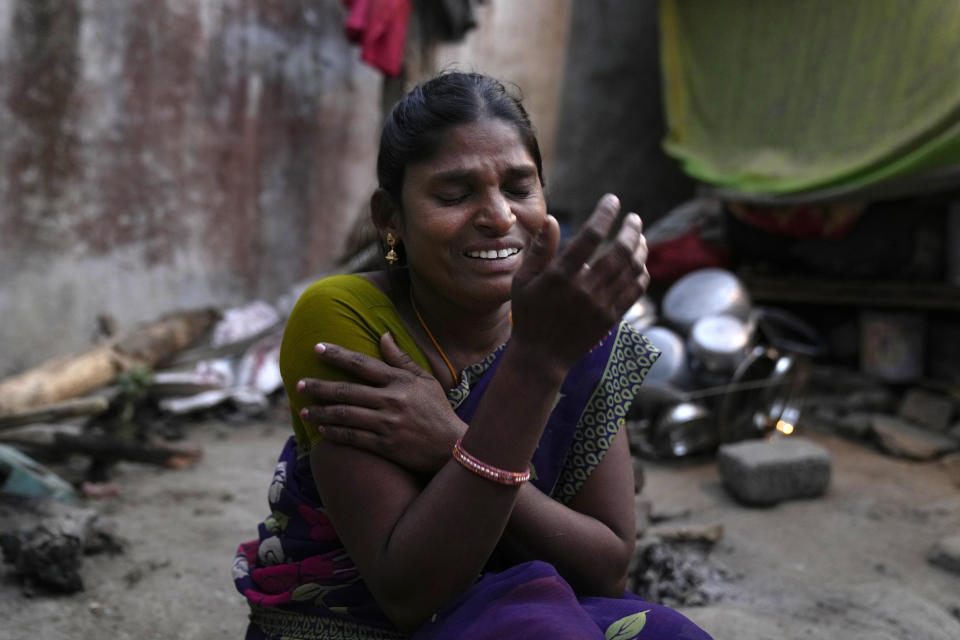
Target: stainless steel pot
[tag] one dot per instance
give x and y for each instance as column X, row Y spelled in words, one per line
column 720, row 343
column 686, row 428
column 642, row 314
column 765, row 391
column 706, row 292
column 671, row 368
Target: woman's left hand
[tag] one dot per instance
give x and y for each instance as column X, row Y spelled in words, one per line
column 399, row 412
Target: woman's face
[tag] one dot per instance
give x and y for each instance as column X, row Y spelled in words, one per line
column 470, row 211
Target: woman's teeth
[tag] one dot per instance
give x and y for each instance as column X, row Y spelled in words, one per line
column 493, row 254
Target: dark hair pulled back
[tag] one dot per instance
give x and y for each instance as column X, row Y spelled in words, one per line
column 416, row 123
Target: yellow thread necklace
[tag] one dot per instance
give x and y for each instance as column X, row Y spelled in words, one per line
column 432, row 339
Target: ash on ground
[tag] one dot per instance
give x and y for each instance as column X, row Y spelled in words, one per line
column 679, row 574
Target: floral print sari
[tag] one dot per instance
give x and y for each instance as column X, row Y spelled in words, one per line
column 301, row 583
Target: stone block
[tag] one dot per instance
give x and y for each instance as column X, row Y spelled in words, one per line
column 765, row 472
column 872, row 399
column 898, row 437
column 927, row 409
column 855, row 425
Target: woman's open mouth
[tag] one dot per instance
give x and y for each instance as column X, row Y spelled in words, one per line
column 492, row 254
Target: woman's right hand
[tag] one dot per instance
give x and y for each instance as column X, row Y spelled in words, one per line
column 395, row 410
column 564, row 303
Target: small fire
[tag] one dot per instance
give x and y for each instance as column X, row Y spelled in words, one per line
column 784, row 427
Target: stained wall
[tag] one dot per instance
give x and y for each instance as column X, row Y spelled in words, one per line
column 164, row 154
column 167, row 154
column 523, row 43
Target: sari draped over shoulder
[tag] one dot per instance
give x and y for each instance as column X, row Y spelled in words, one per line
column 301, row 583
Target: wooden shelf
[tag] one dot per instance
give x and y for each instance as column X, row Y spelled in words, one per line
column 905, row 295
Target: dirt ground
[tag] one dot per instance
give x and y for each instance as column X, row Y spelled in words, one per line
column 849, row 565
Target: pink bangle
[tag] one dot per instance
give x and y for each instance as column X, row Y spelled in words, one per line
column 484, row 470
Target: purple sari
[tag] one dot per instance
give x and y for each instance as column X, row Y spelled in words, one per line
column 301, row 583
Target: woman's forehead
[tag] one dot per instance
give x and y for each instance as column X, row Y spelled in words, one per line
column 487, row 142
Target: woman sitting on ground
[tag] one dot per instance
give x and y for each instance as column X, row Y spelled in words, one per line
column 478, row 339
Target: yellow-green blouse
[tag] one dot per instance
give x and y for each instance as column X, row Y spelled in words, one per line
column 346, row 310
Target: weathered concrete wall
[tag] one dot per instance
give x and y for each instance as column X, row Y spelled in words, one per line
column 610, row 122
column 524, row 43
column 162, row 154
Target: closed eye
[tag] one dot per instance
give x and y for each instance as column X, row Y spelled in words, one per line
column 520, row 189
column 519, row 193
column 448, row 200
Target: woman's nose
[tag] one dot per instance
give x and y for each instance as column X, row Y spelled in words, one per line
column 495, row 214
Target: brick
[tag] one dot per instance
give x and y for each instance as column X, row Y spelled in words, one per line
column 765, row 472
column 926, row 409
column 898, row 437
column 855, row 424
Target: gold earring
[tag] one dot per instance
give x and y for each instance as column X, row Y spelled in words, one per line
column 391, row 257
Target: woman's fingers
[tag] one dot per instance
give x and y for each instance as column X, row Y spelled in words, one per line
column 541, row 250
column 347, row 416
column 630, row 290
column 359, row 364
column 618, row 256
column 590, row 235
column 338, row 392
column 397, row 357
column 619, row 275
column 351, row 437
column 633, row 280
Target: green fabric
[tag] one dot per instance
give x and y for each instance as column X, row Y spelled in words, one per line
column 346, row 310
column 783, row 97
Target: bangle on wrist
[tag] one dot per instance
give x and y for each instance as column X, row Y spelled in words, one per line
column 489, row 472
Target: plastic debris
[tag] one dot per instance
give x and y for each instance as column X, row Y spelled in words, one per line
column 21, row 475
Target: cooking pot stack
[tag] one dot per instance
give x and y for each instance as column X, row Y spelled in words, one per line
column 728, row 370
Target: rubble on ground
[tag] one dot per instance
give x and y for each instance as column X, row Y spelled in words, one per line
column 914, row 423
column 678, row 573
column 125, row 399
column 946, row 553
column 46, row 540
column 901, row 438
column 671, row 561
column 927, row 409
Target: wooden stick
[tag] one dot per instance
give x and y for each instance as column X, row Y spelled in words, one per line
column 77, row 375
column 52, row 412
column 688, row 532
column 109, row 449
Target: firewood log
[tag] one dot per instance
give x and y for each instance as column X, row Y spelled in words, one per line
column 72, row 376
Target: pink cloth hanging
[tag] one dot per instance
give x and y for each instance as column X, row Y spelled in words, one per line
column 380, row 28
